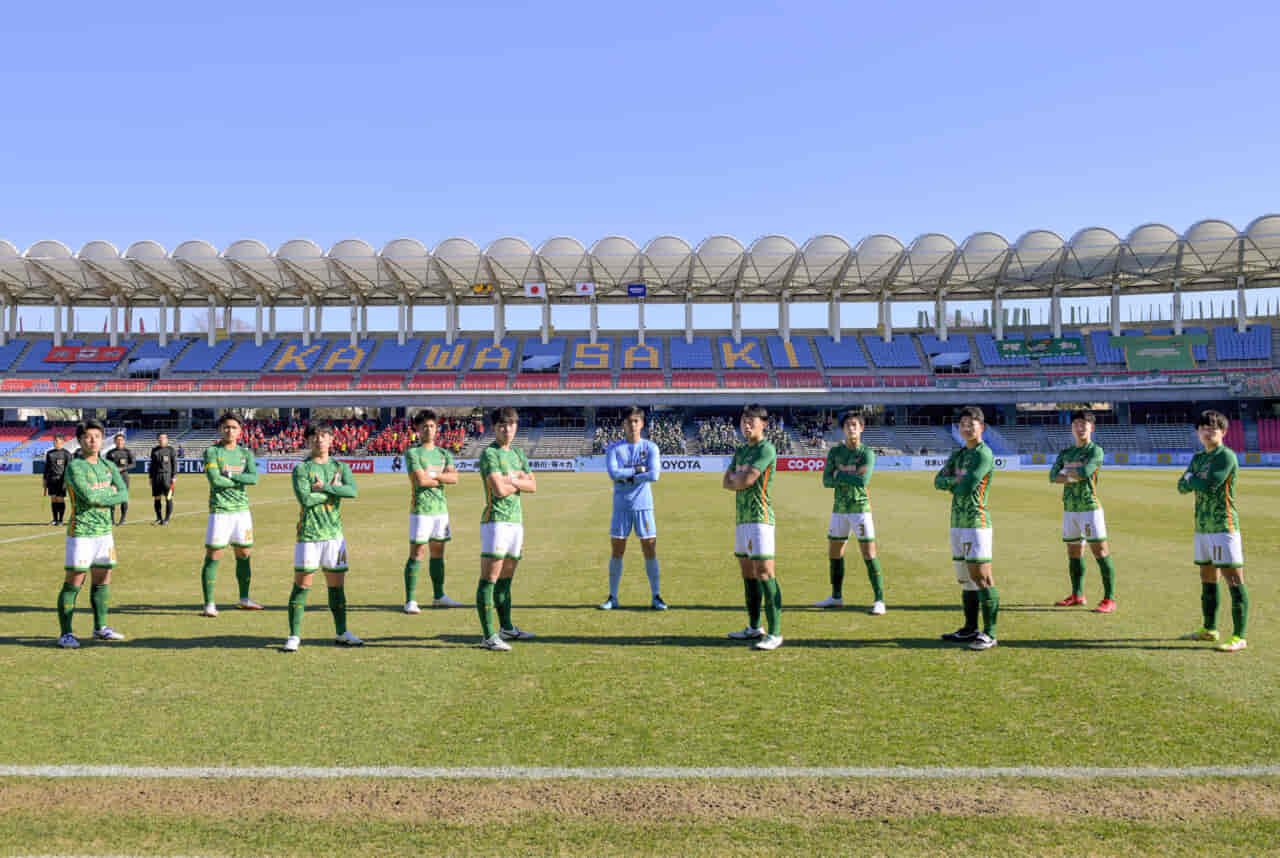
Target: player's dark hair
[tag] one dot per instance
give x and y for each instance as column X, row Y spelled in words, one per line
column 973, row 412
column 632, row 410
column 852, row 415
column 755, row 409
column 506, row 414
column 1086, row 415
column 424, row 415
column 314, row 429
column 230, row 415
column 86, row 426
column 1216, row 419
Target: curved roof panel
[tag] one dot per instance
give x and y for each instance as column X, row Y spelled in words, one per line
column 666, row 265
column 875, row 259
column 926, row 263
column 717, row 263
column 823, row 260
column 1209, row 247
column 1151, row 250
column 1262, row 245
column 770, row 262
column 563, row 263
column 614, row 264
column 1091, row 253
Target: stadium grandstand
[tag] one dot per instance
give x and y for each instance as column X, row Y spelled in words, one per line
column 1146, row 377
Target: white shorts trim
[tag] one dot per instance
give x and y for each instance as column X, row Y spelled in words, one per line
column 85, row 552
column 502, row 539
column 1219, row 549
column 1088, row 526
column 429, row 528
column 858, row 525
column 229, row 528
column 754, row 540
column 971, row 544
column 329, row 555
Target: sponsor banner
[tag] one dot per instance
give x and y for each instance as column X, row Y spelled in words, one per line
column 670, row 464
column 19, row 466
column 277, row 466
column 1259, row 384
column 990, row 382
column 934, row 463
column 1159, row 352
column 88, row 354
column 802, row 463
column 362, row 466
column 1190, row 379
column 1038, row 347
column 551, row 465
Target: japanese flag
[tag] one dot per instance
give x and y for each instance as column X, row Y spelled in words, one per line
column 535, row 290
column 585, row 288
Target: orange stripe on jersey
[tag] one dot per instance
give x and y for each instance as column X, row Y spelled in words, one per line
column 1231, row 511
column 982, row 498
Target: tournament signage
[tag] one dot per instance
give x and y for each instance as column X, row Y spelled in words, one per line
column 1038, row 347
column 988, row 382
column 801, row 463
column 1151, row 353
column 87, row 354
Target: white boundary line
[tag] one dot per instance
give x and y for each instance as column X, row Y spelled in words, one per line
column 637, row 772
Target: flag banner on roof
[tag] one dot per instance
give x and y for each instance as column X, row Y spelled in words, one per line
column 482, row 289
column 585, row 288
column 535, row 290
column 635, row 290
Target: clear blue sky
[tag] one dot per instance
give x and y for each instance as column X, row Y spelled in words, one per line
column 376, row 120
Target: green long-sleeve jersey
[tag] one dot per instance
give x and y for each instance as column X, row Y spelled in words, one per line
column 1085, row 463
column 427, row 501
column 1212, row 476
column 848, row 471
column 967, row 475
column 229, row 470
column 496, row 460
column 92, row 489
column 754, row 504
column 320, row 516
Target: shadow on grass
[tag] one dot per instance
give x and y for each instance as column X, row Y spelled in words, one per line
column 711, row 641
column 203, row 642
column 1102, row 643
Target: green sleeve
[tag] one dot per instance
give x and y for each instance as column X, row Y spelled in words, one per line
column 121, row 487
column 861, row 480
column 945, row 478
column 249, row 476
column 489, row 463
column 1056, row 468
column 1184, row 483
column 302, row 489
column 211, row 472
column 79, row 480
column 448, row 460
column 970, row 480
column 348, row 487
column 829, row 473
column 765, row 456
column 1092, row 463
column 1217, row 476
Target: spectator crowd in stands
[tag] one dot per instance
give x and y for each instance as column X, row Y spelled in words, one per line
column 276, row 436
column 666, row 433
column 719, row 436
column 399, row 435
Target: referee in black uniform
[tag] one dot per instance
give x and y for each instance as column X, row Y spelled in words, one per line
column 162, row 470
column 55, row 475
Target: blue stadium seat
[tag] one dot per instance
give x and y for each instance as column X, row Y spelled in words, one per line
column 542, row 357
column 9, row 353
column 494, row 357
column 1063, row 360
column 1200, row 353
column 990, row 352
column 744, row 355
column 105, row 365
column 153, row 349
column 343, row 357
column 584, row 354
column 247, row 357
column 202, row 357
column 1103, row 352
column 34, row 361
column 393, row 357
column 294, row 357
column 842, row 355
column 694, row 355
column 898, row 353
column 632, row 355
column 955, row 344
column 442, row 357
column 1253, row 344
column 793, row 355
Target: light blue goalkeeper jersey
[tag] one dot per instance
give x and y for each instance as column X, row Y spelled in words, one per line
column 631, row 490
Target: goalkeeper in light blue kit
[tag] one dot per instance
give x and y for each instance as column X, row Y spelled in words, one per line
column 633, row 464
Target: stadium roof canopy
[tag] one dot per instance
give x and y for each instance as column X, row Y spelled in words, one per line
column 1211, row 254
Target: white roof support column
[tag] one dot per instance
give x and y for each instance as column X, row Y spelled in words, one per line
column 113, row 321
column 57, row 321
column 1115, row 309
column 306, row 320
column 499, row 317
column 257, row 322
column 594, row 321
column 401, row 318
column 1241, row 316
column 735, row 315
column 833, row 316
column 784, row 315
column 226, row 317
column 997, row 312
column 688, row 319
column 271, row 321
column 451, row 319
column 640, row 322
column 212, row 321
column 1055, row 311
column 364, row 320
column 885, row 310
column 4, row 329
column 13, row 319
column 319, row 313
column 546, row 320
column 1177, row 306
column 408, row 318
column 128, row 320
column 354, row 327
column 164, row 328
column 940, row 315
column 177, row 320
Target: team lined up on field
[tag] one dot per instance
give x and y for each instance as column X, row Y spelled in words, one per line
column 95, row 485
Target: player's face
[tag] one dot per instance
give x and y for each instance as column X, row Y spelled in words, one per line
column 852, row 431
column 57, row 443
column 1082, row 429
column 505, row 433
column 428, row 431
column 1210, row 436
column 320, row 443
column 632, row 426
column 230, row 431
column 91, row 442
column 163, row 440
column 971, row 429
column 119, row 443
column 752, row 428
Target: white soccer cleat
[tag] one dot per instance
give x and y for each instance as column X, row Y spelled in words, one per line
column 515, row 634
column 348, row 639
column 609, row 604
column 496, row 644
column 411, row 607
column 291, row 643
column 877, row 610
column 830, row 602
column 769, row 642
column 210, row 610
column 68, row 641
column 747, row 634
column 247, row 604
column 446, row 602
column 106, row 633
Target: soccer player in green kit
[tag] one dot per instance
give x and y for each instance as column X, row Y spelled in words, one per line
column 320, row 483
column 848, row 470
column 1219, row 549
column 748, row 477
column 505, row 473
column 967, row 476
column 94, row 486
column 1076, row 470
column 430, row 469
column 230, row 469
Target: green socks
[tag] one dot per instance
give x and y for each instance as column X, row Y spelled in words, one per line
column 99, row 597
column 411, row 568
column 338, row 607
column 435, row 568
column 297, row 606
column 772, row 605
column 755, row 596
column 873, row 575
column 1108, row 570
column 1075, row 568
column 1209, row 603
column 837, row 576
column 1239, row 608
column 502, row 602
column 989, row 602
column 208, row 575
column 484, row 606
column 969, row 599
column 66, row 607
column 244, row 574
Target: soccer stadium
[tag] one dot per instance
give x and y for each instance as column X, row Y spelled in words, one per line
column 635, row 730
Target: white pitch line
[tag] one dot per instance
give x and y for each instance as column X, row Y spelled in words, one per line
column 637, row 772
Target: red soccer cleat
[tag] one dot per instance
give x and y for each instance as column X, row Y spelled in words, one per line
column 1106, row 606
column 1073, row 599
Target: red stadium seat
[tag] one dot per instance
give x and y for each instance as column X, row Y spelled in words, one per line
column 484, row 381
column 431, row 381
column 853, row 381
column 694, row 379
column 172, row 385
column 799, row 378
column 221, row 384
column 589, row 380
column 537, row 381
column 124, row 385
column 277, row 382
column 329, row 382
column 746, row 379
column 641, row 380
column 381, row 381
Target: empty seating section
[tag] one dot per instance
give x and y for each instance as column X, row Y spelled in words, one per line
column 13, row 437
column 1104, row 352
column 746, row 379
column 1253, row 344
column 846, row 354
column 202, row 357
column 689, row 378
column 795, row 354
column 269, row 381
column 540, row 357
column 124, row 385
column 441, row 356
column 1199, row 351
column 989, row 352
column 746, row 355
column 153, row 349
column 344, row 357
column 1064, row 360
column 431, row 382
column 329, row 382
column 1234, row 437
column 248, row 357
column 954, row 344
column 9, row 353
column 224, row 384
column 898, row 353
column 382, row 381
column 633, row 355
column 173, row 385
column 1024, row 439
column 1175, row 437
column 34, row 361
column 1269, row 435
column 932, row 439
column 537, row 381
column 1112, row 437
column 100, row 366
column 852, row 380
column 907, row 381
column 489, row 356
column 561, row 442
column 641, row 379
column 484, row 380
column 584, row 354
column 390, row 356
column 694, row 355
column 799, row 378
column 295, row 356
column 589, row 380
